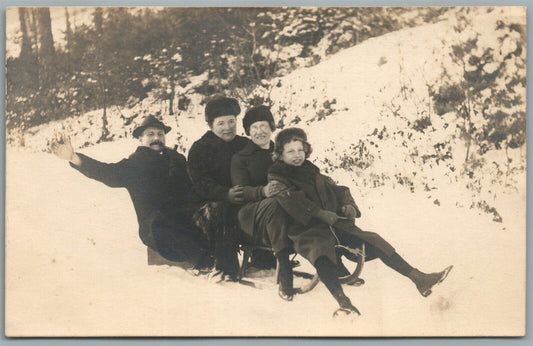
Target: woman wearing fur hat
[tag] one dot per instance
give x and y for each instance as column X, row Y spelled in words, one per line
column 208, row 166
column 261, row 218
column 315, row 201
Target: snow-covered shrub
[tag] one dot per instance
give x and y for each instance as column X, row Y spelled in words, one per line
column 357, row 156
column 490, row 95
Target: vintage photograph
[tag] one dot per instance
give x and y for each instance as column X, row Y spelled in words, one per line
column 265, row 171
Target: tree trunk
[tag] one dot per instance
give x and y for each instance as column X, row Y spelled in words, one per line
column 105, row 131
column 100, row 69
column 46, row 48
column 468, row 149
column 27, row 57
column 25, row 50
column 171, row 97
column 68, row 37
column 34, row 39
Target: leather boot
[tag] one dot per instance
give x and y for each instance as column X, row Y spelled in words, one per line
column 285, row 276
column 345, row 305
column 424, row 282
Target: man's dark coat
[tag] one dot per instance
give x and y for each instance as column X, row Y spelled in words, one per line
column 158, row 185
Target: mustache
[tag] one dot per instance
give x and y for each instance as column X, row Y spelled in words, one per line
column 157, row 143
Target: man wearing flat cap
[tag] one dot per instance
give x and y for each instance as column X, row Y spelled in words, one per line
column 157, row 181
column 208, row 165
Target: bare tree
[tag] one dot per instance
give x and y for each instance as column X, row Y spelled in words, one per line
column 100, row 69
column 26, row 50
column 46, row 47
column 68, row 37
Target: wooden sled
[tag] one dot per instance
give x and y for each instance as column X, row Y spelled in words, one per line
column 355, row 255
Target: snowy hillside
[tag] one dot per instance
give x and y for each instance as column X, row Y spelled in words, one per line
column 358, row 107
column 75, row 265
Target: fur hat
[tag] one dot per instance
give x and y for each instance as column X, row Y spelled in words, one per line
column 260, row 113
column 149, row 121
column 288, row 135
column 220, row 107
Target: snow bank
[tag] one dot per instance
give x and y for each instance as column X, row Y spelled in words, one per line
column 75, row 266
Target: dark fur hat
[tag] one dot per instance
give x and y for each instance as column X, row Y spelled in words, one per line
column 260, row 113
column 149, row 121
column 220, row 107
column 288, row 135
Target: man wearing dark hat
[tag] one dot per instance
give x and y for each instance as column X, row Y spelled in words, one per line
column 157, row 181
column 209, row 169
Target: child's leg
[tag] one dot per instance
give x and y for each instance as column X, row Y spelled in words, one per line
column 327, row 272
column 395, row 261
column 424, row 282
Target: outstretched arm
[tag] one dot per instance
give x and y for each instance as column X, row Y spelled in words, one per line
column 112, row 174
column 65, row 151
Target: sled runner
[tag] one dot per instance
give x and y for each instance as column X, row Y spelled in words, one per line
column 354, row 255
column 357, row 256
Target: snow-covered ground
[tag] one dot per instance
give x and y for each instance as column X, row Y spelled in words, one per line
column 75, row 265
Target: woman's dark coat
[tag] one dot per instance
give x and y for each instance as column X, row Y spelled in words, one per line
column 309, row 191
column 209, row 164
column 249, row 168
column 158, row 185
column 261, row 218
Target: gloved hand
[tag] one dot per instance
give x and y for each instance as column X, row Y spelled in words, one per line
column 273, row 188
column 236, row 194
column 327, row 216
column 349, row 211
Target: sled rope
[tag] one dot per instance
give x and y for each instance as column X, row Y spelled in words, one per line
column 356, row 251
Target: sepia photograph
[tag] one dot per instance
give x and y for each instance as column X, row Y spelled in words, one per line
column 265, row 171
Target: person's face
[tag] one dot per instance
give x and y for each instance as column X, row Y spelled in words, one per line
column 260, row 133
column 153, row 138
column 293, row 153
column 225, row 127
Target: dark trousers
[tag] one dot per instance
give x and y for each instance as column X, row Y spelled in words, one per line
column 271, row 225
column 178, row 242
column 264, row 223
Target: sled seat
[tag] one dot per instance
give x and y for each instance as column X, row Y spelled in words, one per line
column 154, row 258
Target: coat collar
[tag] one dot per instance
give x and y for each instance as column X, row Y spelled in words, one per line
column 211, row 138
column 147, row 153
column 251, row 148
column 282, row 168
